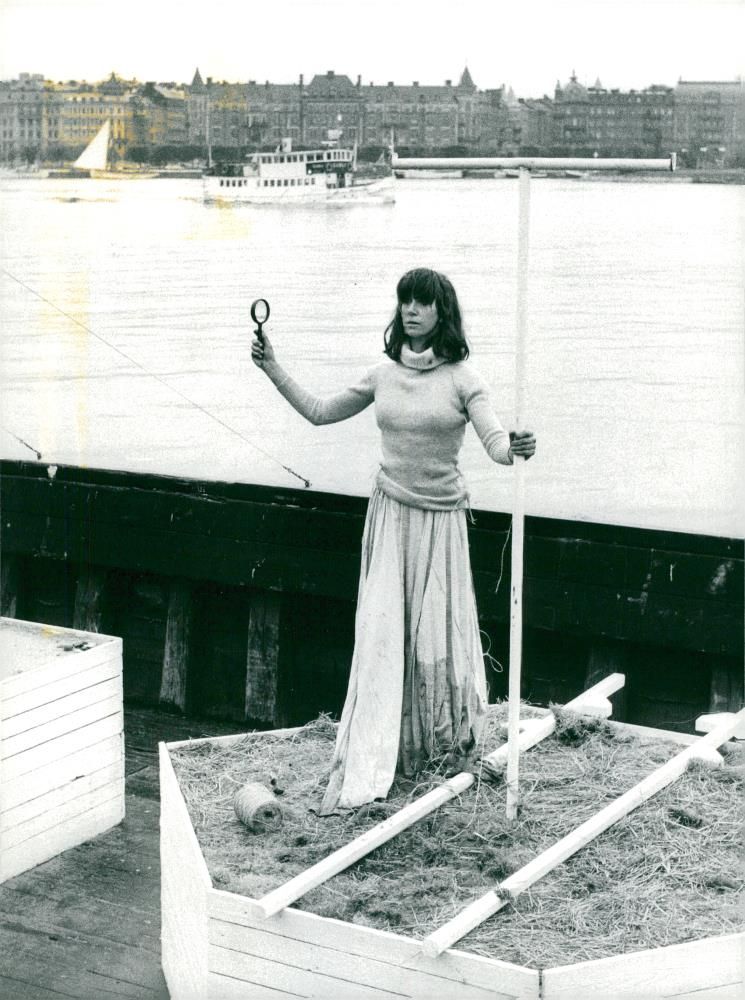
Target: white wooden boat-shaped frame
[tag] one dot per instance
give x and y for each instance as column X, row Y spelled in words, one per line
column 218, row 944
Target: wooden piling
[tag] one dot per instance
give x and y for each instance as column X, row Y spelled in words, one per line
column 262, row 661
column 177, row 643
column 89, row 593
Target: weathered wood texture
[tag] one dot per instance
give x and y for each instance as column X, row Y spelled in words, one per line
column 296, row 953
column 667, row 588
column 61, row 742
column 666, row 608
column 177, row 646
column 262, row 667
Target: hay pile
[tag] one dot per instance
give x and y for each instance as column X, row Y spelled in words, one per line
column 672, row 871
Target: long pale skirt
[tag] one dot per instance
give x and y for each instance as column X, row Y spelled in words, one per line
column 417, row 687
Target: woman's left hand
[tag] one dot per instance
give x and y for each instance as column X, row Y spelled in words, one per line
column 522, row 443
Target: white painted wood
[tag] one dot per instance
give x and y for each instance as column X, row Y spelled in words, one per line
column 532, row 732
column 502, row 978
column 495, row 900
column 61, row 665
column 326, row 958
column 49, row 711
column 76, row 765
column 226, row 741
column 57, row 749
column 81, row 719
column 53, row 686
column 291, row 978
column 707, row 723
column 47, row 803
column 185, row 882
column 47, row 822
column 647, row 734
column 696, row 969
column 69, row 834
column 518, row 504
column 61, row 740
column 239, row 940
column 234, row 989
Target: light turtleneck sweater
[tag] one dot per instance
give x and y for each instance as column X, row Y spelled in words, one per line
column 422, row 405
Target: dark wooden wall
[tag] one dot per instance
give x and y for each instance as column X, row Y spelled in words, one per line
column 237, row 601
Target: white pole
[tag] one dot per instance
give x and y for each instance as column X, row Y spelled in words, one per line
column 483, row 907
column 518, row 505
column 665, row 163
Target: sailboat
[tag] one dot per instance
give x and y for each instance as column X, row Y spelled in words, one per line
column 94, row 160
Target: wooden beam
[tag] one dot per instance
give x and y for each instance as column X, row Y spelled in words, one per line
column 494, row 900
column 89, row 592
column 262, row 663
column 174, row 677
column 533, row 731
column 726, row 687
column 9, row 576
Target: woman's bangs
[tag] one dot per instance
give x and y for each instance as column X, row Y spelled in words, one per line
column 420, row 284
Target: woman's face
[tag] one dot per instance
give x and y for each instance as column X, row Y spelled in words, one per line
column 419, row 320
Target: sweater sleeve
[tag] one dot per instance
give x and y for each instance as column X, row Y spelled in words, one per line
column 474, row 394
column 324, row 409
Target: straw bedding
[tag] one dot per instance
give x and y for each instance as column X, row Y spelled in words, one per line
column 672, row 871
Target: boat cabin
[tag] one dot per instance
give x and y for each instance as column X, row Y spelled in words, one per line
column 304, row 168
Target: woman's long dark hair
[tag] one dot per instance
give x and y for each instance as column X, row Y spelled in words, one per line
column 447, row 340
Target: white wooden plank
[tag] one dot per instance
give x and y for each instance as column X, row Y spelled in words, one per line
column 677, row 970
column 52, row 842
column 85, row 761
column 64, row 666
column 458, row 966
column 226, row 741
column 56, row 686
column 647, row 734
column 83, row 717
column 52, row 818
column 53, row 752
column 57, row 798
column 185, row 882
column 327, row 958
column 183, row 936
column 290, row 978
column 176, row 820
column 735, row 991
column 41, row 714
column 530, row 732
column 225, row 988
column 494, row 900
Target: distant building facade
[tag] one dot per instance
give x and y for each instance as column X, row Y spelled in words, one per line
column 703, row 121
column 710, row 122
column 592, row 120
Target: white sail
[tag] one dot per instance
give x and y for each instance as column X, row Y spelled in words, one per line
column 96, row 153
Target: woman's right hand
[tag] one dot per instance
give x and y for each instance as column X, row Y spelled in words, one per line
column 262, row 354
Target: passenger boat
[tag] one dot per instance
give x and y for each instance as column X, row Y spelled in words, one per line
column 310, row 175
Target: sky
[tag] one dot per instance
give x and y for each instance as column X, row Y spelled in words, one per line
column 525, row 44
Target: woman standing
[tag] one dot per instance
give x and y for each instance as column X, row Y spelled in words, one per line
column 417, row 687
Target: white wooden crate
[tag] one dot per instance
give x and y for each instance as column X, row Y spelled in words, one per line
column 61, row 740
column 217, row 946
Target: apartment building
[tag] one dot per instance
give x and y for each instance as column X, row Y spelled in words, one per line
column 703, row 121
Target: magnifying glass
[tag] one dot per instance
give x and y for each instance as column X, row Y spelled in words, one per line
column 260, row 314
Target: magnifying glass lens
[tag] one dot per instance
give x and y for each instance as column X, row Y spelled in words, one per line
column 260, row 311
